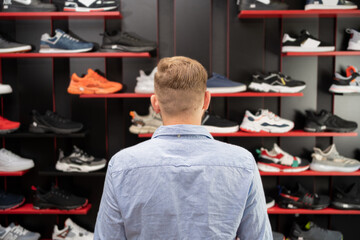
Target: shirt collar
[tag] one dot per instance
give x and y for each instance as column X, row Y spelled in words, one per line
column 182, row 129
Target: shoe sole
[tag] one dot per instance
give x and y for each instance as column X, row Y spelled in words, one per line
column 26, row 9
column 64, row 167
column 344, row 89
column 17, row 167
column 265, row 130
column 54, row 206
column 142, row 129
column 270, row 204
column 267, row 168
column 345, row 206
column 57, row 50
column 214, row 129
column 328, row 7
column 291, row 205
column 9, row 207
column 95, row 90
column 319, row 129
column 303, row 49
column 45, row 129
column 263, row 87
column 6, row 131
column 122, row 48
column 227, row 89
column 326, row 168
column 83, row 9
column 5, row 90
column 15, row 49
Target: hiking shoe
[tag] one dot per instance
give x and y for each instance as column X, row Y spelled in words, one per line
column 92, row 83
column 7, row 126
column 347, row 198
column 57, row 198
column 261, row 5
column 17, row 232
column 329, row 4
column 126, row 42
column 348, row 84
column 216, row 124
column 330, row 160
column 354, row 41
column 326, row 121
column 10, row 201
column 313, row 232
column 89, row 6
column 265, row 121
column 145, row 83
column 27, row 6
column 79, row 161
column 62, row 42
column 221, row 84
column 145, row 124
column 10, row 162
column 304, row 43
column 53, row 122
column 270, row 202
column 278, row 160
column 276, row 82
column 278, row 236
column 299, row 197
column 71, row 231
column 7, row 46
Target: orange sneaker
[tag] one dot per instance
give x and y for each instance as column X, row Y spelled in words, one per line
column 92, row 83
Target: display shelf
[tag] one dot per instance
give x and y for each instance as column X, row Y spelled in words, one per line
column 77, row 55
column 14, row 174
column 297, row 13
column 43, row 135
column 240, row 94
column 321, row 54
column 310, row 173
column 278, row 210
column 295, row 133
column 59, row 15
column 55, row 173
column 28, row 209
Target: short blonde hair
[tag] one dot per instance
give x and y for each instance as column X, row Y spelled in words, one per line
column 180, row 84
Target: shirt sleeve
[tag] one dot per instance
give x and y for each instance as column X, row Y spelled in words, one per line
column 109, row 222
column 255, row 222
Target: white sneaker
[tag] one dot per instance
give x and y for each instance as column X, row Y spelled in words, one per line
column 17, row 232
column 5, row 88
column 71, row 231
column 145, row 83
column 354, row 41
column 145, row 124
column 10, row 162
column 329, row 4
column 265, row 121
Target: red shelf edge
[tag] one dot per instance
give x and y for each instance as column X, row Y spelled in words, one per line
column 278, row 210
column 76, row 55
column 28, row 209
column 8, row 174
column 310, row 173
column 108, row 14
column 297, row 13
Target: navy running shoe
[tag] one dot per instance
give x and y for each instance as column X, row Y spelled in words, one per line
column 220, row 84
column 10, row 201
column 62, row 42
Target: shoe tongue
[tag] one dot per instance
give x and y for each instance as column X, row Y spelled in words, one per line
column 350, row 70
column 305, row 32
column 277, row 148
column 300, row 188
column 11, row 225
column 59, row 31
column 260, row 112
column 91, row 72
column 309, row 225
column 69, row 222
column 76, row 149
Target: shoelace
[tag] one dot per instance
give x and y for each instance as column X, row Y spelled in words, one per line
column 272, row 115
column 61, row 193
column 81, row 153
column 70, row 37
column 100, row 78
column 57, row 117
column 19, row 230
column 131, row 37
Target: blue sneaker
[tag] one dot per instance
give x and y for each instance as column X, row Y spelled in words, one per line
column 62, row 42
column 10, row 201
column 220, row 84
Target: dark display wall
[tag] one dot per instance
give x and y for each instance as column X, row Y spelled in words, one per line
column 207, row 30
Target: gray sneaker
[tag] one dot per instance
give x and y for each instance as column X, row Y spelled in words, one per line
column 12, row 47
column 145, row 124
column 330, row 160
column 18, row 233
column 313, row 232
column 278, row 236
column 27, row 6
column 354, row 41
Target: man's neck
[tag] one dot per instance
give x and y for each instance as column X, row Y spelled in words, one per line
column 176, row 121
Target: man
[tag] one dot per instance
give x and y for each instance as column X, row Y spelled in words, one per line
column 182, row 184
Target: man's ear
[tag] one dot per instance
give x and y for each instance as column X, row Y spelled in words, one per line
column 155, row 103
column 207, row 99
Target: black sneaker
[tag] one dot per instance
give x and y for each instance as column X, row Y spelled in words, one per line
column 347, row 198
column 216, row 124
column 326, row 121
column 304, row 43
column 90, row 6
column 10, row 201
column 310, row 231
column 261, row 5
column 53, row 122
column 27, row 6
column 57, row 198
column 299, row 197
column 126, row 42
column 7, row 46
column 276, row 82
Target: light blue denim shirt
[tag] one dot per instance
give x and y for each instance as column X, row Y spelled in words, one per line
column 183, row 184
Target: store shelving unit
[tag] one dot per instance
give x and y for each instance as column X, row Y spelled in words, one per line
column 28, row 209
column 278, row 210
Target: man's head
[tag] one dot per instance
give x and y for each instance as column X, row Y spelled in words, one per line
column 180, row 90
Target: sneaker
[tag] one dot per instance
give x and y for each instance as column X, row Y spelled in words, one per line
column 27, row 6
column 265, row 121
column 7, row 46
column 71, row 231
column 261, row 5
column 278, row 236
column 10, row 162
column 299, row 197
column 329, row 4
column 17, row 232
column 326, row 121
column 89, row 6
column 62, row 42
column 145, row 124
column 53, row 122
column 313, row 232
column 92, row 83
column 347, row 198
column 330, row 160
column 354, row 41
column 216, row 124
column 276, row 82
column 145, row 83
column 270, row 202
column 348, row 84
column 278, row 160
column 304, row 43
column 7, row 126
column 126, row 42
column 57, row 198
column 79, row 161
column 10, row 201
column 220, row 84
column 5, row 88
